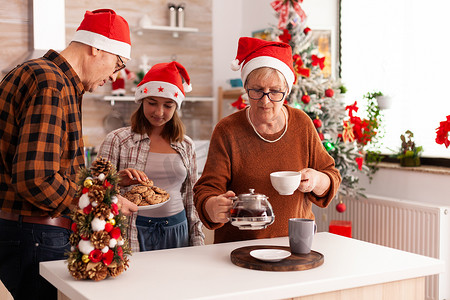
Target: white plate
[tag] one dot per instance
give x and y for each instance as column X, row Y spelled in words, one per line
column 152, row 206
column 271, row 255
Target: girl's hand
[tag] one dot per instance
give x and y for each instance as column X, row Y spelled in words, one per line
column 131, row 176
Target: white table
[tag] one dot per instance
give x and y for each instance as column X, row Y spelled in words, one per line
column 350, row 266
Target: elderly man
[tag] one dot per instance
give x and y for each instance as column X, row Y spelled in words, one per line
column 41, row 147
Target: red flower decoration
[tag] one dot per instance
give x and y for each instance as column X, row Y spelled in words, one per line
column 87, row 210
column 114, row 209
column 285, row 37
column 74, row 227
column 442, row 132
column 120, row 252
column 115, row 233
column 306, row 30
column 108, row 257
column 95, row 255
column 106, row 184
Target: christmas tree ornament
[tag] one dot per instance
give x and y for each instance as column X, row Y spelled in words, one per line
column 306, row 99
column 329, row 93
column 317, row 123
column 93, row 255
column 306, row 30
column 340, row 207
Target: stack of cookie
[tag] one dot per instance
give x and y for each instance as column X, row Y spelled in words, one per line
column 146, row 194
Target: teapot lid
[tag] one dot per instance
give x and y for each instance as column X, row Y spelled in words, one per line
column 252, row 195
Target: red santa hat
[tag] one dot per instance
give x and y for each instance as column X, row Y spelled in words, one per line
column 105, row 30
column 165, row 80
column 254, row 53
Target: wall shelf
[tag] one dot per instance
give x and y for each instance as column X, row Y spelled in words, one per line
column 174, row 30
column 113, row 99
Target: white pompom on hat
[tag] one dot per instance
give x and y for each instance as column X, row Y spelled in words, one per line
column 165, row 80
column 105, row 30
column 254, row 53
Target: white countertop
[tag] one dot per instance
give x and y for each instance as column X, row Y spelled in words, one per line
column 206, row 272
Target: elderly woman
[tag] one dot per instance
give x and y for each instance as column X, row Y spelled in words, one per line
column 265, row 137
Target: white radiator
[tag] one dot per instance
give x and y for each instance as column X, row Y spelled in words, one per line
column 415, row 227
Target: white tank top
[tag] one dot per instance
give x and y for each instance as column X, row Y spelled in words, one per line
column 167, row 172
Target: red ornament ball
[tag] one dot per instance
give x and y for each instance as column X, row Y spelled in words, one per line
column 329, row 93
column 340, row 207
column 306, row 99
column 317, row 123
column 306, row 30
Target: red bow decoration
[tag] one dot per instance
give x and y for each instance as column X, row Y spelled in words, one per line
column 305, row 72
column 282, row 7
column 318, row 61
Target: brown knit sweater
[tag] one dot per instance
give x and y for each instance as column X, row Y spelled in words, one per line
column 239, row 160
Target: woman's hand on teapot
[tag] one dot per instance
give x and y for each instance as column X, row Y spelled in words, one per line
column 218, row 207
column 131, row 176
column 314, row 181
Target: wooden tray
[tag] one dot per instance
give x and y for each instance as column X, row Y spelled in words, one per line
column 296, row 262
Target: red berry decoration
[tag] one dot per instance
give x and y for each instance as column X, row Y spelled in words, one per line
column 340, row 207
column 329, row 93
column 317, row 123
column 306, row 99
column 306, row 30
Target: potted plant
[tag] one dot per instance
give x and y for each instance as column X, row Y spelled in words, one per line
column 409, row 154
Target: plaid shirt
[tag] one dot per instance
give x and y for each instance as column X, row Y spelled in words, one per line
column 41, row 146
column 126, row 149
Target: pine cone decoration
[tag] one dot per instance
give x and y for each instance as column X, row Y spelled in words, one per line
column 115, row 270
column 98, row 272
column 96, row 193
column 100, row 239
column 102, row 211
column 78, row 270
column 74, row 239
column 100, row 165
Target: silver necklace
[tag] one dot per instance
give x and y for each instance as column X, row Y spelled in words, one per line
column 256, row 131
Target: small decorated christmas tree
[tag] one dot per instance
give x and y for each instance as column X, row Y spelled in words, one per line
column 98, row 249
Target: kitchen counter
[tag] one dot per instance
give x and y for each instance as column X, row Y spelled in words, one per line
column 206, row 272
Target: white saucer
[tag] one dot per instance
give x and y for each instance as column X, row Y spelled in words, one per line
column 152, row 206
column 270, row 255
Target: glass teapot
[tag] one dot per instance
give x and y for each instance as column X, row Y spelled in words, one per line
column 251, row 211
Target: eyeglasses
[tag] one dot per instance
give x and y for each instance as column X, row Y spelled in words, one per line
column 258, row 95
column 120, row 67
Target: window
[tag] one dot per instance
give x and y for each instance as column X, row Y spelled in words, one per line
column 402, row 49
